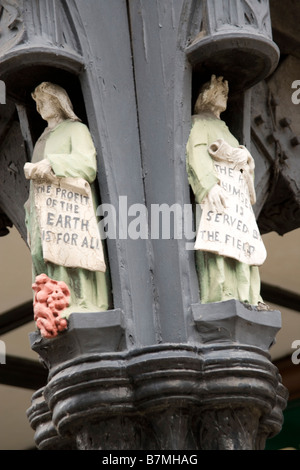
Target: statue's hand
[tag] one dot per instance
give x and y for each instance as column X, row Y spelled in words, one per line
column 41, row 170
column 243, row 159
column 217, row 198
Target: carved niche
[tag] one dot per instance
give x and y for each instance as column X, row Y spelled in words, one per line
column 234, row 40
column 38, row 41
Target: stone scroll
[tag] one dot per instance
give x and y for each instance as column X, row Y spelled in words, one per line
column 68, row 226
column 234, row 232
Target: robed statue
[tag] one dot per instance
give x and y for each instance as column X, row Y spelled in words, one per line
column 228, row 248
column 67, row 257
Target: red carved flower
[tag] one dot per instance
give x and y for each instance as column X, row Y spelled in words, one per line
column 50, row 299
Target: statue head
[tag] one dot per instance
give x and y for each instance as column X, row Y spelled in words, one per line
column 56, row 98
column 213, row 96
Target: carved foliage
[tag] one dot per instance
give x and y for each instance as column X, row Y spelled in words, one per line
column 256, row 13
column 11, row 23
column 240, row 13
column 20, row 19
column 220, row 15
column 50, row 299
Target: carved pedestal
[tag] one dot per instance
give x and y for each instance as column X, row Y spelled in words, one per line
column 221, row 394
column 230, row 32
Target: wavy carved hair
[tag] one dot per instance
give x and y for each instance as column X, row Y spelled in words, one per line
column 60, row 94
column 208, row 91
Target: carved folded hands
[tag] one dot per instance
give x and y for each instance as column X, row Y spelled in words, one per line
column 41, row 170
column 217, row 198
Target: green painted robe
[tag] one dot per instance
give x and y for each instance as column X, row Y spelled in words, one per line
column 220, row 278
column 71, row 152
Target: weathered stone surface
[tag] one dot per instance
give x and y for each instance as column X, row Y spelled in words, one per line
column 228, row 32
column 68, row 226
column 163, row 397
column 238, row 322
column 234, row 232
column 139, row 376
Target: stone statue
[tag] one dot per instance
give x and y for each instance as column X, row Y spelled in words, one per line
column 228, row 246
column 60, row 212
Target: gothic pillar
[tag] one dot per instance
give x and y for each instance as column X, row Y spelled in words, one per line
column 40, row 419
column 222, row 393
column 159, row 370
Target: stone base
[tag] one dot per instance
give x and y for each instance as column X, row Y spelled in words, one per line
column 87, row 333
column 218, row 55
column 236, row 322
column 221, row 394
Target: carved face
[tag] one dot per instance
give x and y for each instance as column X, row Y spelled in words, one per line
column 220, row 99
column 213, row 96
column 50, row 97
column 48, row 107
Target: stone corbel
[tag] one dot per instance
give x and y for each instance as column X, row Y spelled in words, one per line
column 219, row 395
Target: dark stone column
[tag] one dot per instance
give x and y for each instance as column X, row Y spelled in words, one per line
column 40, row 418
column 159, row 370
column 221, row 394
